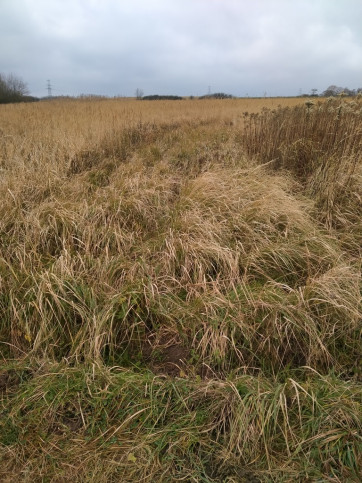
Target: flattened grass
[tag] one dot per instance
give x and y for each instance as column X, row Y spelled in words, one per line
column 180, row 299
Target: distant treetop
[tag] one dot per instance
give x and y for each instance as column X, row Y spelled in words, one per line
column 332, row 91
column 156, row 97
column 217, row 95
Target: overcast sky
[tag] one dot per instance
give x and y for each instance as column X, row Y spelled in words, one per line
column 184, row 47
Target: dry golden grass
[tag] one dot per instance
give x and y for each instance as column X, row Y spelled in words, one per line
column 180, row 290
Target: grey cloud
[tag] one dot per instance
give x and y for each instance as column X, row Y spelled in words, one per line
column 182, row 46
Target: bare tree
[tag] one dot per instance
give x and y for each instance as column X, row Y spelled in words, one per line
column 12, row 88
column 332, row 91
column 17, row 85
column 139, row 93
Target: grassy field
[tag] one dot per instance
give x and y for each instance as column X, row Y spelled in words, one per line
column 180, row 291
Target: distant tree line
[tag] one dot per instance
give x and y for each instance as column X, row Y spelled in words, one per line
column 160, row 98
column 217, row 95
column 13, row 89
column 337, row 91
column 156, row 97
column 333, row 91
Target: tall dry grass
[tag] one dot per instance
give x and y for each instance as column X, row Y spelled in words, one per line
column 180, row 290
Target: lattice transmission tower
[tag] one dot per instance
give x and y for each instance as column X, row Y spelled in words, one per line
column 49, row 87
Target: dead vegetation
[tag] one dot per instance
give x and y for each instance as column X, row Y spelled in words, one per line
column 180, row 291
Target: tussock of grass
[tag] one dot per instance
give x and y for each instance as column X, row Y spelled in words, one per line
column 180, row 298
